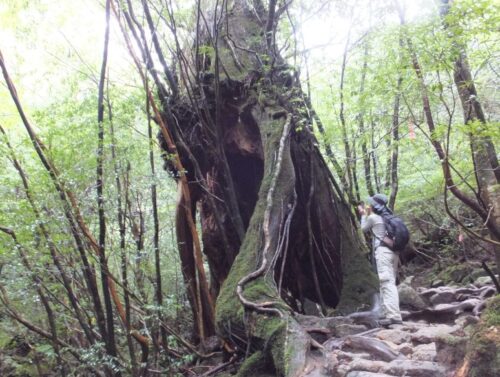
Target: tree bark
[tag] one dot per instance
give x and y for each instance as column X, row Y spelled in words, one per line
column 395, row 144
column 361, row 122
column 121, row 215
column 110, row 326
column 156, row 229
column 240, row 113
column 487, row 170
column 373, row 155
column 349, row 161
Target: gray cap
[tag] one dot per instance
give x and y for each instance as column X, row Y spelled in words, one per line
column 378, row 200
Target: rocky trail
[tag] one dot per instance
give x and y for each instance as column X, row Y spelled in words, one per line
column 430, row 342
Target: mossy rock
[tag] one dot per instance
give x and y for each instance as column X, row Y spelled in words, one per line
column 450, row 349
column 477, row 273
column 491, row 315
column 257, row 365
column 483, row 349
column 454, row 274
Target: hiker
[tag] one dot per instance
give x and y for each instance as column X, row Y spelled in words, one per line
column 386, row 259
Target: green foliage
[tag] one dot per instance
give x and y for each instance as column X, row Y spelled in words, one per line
column 96, row 357
column 59, row 95
column 386, row 60
column 53, row 54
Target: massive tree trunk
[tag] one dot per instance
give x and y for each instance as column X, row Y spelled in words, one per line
column 275, row 228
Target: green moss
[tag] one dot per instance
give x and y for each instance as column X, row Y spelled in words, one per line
column 284, row 340
column 257, row 365
column 260, row 290
column 485, row 355
column 451, row 340
column 359, row 280
column 482, row 349
column 491, row 315
column 229, row 310
column 280, row 341
column 454, row 273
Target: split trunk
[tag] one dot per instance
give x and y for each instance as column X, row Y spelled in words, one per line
column 275, row 229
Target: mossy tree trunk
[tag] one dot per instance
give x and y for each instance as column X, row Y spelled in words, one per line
column 275, row 228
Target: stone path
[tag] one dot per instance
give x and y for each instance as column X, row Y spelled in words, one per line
column 431, row 342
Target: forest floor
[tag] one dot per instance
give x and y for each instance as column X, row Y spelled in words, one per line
column 440, row 317
column 431, row 341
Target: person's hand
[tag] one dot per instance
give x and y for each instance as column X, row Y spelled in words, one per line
column 368, row 210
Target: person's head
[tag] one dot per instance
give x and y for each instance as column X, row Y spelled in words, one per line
column 378, row 202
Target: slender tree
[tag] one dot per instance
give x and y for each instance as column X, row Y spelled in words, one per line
column 361, row 124
column 110, row 326
column 484, row 155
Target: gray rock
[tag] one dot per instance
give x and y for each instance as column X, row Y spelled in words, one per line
column 394, row 336
column 477, row 272
column 415, row 368
column 358, row 373
column 405, row 349
column 374, row 366
column 411, row 368
column 326, row 322
column 212, row 343
column 343, row 355
column 346, row 330
column 410, row 297
column 333, row 344
column 430, row 333
column 408, row 280
column 310, row 308
column 466, row 320
column 443, row 297
column 316, row 366
column 378, row 348
column 451, row 349
column 425, row 352
column 483, row 280
column 437, row 283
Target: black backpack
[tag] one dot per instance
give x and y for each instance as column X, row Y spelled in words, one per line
column 397, row 233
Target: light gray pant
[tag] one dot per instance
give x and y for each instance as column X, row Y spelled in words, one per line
column 387, row 264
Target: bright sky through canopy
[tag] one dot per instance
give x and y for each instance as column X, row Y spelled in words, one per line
column 44, row 42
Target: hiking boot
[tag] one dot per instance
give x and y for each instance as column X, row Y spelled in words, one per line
column 389, row 321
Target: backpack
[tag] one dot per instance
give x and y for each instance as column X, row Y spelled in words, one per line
column 397, row 236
